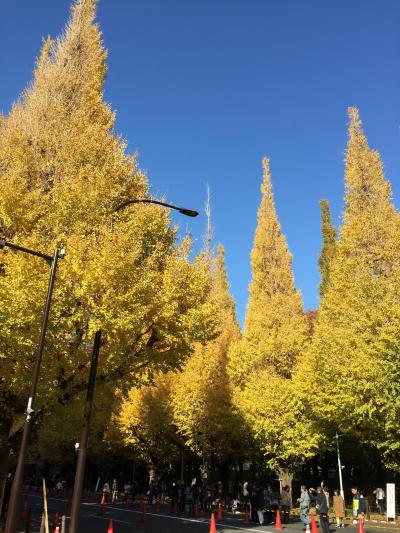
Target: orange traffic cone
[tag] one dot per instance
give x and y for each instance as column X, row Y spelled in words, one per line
column 103, row 504
column 56, row 521
column 278, row 524
column 158, row 506
column 110, row 527
column 314, row 528
column 219, row 509
column 246, row 518
column 213, row 527
column 360, row 525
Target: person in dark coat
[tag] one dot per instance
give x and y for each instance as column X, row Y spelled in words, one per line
column 321, row 501
column 259, row 504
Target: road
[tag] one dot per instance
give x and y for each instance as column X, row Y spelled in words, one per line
column 128, row 519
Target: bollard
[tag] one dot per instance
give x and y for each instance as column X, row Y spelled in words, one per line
column 56, row 521
column 143, row 516
column 63, row 523
column 246, row 518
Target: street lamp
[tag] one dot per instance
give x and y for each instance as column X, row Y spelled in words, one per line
column 339, row 464
column 12, row 513
column 81, row 448
column 182, row 210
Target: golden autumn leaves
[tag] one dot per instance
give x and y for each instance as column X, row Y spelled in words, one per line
column 176, row 373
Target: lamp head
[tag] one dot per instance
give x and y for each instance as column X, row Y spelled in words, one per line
column 188, row 212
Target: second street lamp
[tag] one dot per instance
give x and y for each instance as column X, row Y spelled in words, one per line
column 82, row 448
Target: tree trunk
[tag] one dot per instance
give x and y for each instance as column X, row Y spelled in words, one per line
column 182, row 465
column 285, row 478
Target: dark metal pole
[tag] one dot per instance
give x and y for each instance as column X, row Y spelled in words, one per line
column 12, row 513
column 80, row 468
column 182, row 210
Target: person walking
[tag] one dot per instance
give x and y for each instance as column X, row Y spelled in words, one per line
column 304, row 504
column 106, row 491
column 380, row 500
column 322, row 507
column 286, row 503
column 259, row 504
column 115, row 491
column 359, row 505
column 339, row 508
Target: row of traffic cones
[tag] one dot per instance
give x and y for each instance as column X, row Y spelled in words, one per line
column 25, row 516
column 213, row 526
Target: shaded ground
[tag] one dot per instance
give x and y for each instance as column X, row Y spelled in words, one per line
column 127, row 519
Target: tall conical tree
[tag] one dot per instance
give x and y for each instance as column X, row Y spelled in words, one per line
column 357, row 334
column 203, row 409
column 328, row 246
column 263, row 362
column 63, row 170
column 275, row 328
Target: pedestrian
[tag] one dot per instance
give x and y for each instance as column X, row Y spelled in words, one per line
column 127, row 491
column 362, row 507
column 151, row 493
column 106, row 491
column 174, row 496
column 268, row 504
column 259, row 504
column 304, row 504
column 286, row 503
column 115, row 491
column 322, row 507
column 181, row 492
column 359, row 505
column 339, row 508
column 247, row 496
column 188, row 498
column 379, row 498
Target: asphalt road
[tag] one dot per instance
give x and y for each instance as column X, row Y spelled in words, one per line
column 127, row 519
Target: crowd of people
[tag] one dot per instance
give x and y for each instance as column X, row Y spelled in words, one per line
column 260, row 501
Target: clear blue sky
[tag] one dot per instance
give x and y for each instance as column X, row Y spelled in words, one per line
column 204, row 89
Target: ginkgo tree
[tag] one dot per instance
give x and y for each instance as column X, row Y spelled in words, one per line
column 263, row 363
column 356, row 342
column 63, row 170
column 204, row 413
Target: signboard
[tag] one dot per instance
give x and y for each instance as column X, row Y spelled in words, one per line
column 390, row 501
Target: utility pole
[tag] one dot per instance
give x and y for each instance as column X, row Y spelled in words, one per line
column 339, row 465
column 82, row 450
column 11, row 522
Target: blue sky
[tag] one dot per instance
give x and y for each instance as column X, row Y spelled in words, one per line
column 204, row 89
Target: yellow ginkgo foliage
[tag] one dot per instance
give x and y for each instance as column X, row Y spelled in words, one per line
column 63, row 171
column 356, row 343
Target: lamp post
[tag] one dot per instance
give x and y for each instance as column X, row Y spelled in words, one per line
column 12, row 513
column 183, row 210
column 82, row 448
column 339, row 465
